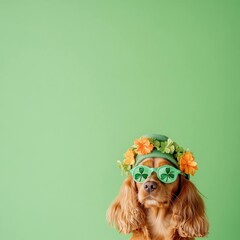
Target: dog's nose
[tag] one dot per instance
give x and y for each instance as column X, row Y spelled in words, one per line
column 150, row 186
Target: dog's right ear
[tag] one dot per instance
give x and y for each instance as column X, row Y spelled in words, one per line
column 125, row 213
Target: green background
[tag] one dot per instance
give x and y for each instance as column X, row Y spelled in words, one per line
column 80, row 80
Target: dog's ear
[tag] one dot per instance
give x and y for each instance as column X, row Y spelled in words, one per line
column 189, row 212
column 125, row 213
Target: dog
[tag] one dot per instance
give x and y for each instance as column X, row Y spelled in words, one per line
column 157, row 200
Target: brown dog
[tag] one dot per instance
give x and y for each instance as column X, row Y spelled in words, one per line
column 154, row 210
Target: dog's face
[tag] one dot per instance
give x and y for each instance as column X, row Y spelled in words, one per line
column 154, row 193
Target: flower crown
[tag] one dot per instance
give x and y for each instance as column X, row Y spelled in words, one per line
column 158, row 146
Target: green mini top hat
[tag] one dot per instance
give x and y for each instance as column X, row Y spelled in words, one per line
column 156, row 145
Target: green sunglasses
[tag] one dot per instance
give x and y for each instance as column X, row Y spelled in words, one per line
column 166, row 173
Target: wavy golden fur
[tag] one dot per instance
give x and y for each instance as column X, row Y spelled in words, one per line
column 172, row 211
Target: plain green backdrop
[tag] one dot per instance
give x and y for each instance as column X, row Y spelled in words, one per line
column 80, row 80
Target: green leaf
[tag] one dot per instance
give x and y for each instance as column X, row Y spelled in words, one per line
column 145, row 175
column 137, row 176
column 171, row 175
column 124, row 167
column 178, row 155
column 163, row 176
column 179, row 149
column 167, row 170
column 163, row 146
column 172, row 149
column 156, row 144
column 169, row 146
column 167, row 150
column 141, row 170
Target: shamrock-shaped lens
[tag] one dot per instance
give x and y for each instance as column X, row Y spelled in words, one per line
column 141, row 173
column 168, row 174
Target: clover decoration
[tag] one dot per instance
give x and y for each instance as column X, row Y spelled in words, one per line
column 143, row 146
column 123, row 167
column 139, row 176
column 168, row 175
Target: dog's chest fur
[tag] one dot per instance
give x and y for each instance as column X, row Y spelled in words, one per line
column 159, row 226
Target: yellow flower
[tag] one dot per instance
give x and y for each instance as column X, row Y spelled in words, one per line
column 129, row 157
column 144, row 146
column 187, row 163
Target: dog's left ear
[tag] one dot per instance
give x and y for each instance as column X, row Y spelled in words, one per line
column 189, row 212
column 125, row 213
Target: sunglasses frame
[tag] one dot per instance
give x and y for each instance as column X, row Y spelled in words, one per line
column 164, row 176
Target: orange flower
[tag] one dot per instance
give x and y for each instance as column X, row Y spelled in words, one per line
column 187, row 163
column 129, row 157
column 144, row 146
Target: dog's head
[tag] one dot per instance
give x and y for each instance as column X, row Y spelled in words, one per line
column 154, row 183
